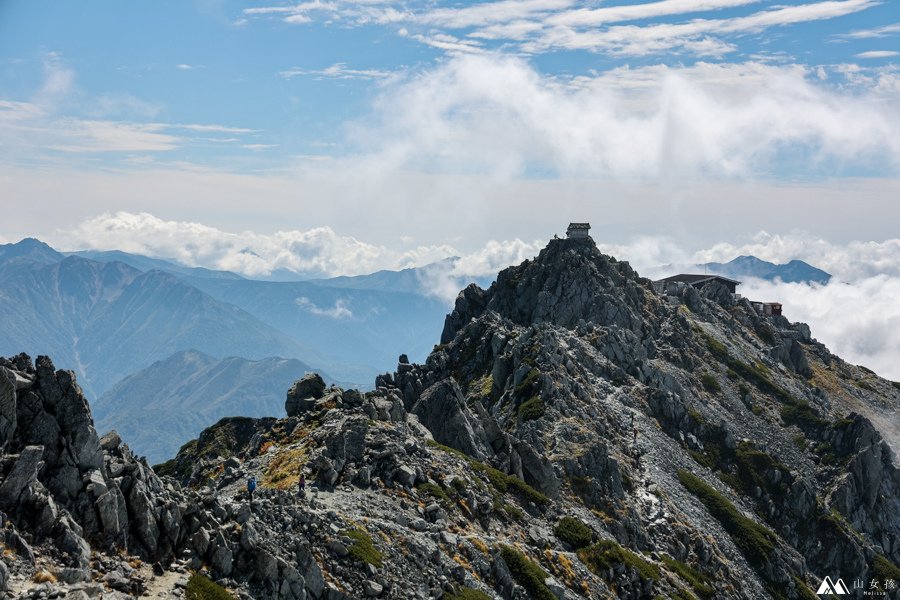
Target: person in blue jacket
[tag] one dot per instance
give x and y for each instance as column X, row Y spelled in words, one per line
column 251, row 485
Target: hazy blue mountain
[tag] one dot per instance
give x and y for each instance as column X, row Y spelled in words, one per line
column 105, row 304
column 364, row 327
column 23, row 255
column 168, row 403
column 795, row 271
column 107, row 320
column 146, row 263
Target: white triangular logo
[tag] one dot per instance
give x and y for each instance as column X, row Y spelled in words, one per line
column 830, row 587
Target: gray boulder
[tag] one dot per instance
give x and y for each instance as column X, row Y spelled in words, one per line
column 24, row 473
column 303, row 394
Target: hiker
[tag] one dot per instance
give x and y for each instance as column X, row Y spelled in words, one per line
column 302, row 485
column 251, row 485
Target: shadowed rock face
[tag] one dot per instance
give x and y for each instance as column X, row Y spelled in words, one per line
column 63, row 484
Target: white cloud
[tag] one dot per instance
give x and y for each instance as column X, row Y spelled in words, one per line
column 59, row 81
column 318, row 252
column 498, row 114
column 487, row 13
column 857, row 320
column 211, row 128
column 337, row 71
column 184, row 67
column 692, row 35
column 107, row 123
column 877, row 54
column 537, row 26
column 876, row 32
column 82, row 136
column 449, row 43
column 337, row 312
column 445, row 279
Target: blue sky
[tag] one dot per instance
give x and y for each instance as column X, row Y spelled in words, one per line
column 277, row 81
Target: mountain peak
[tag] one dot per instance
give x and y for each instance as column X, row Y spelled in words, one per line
column 795, row 271
column 569, row 281
column 29, row 249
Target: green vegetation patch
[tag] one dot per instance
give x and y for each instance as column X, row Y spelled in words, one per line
column 885, row 569
column 487, row 385
column 532, row 409
column 467, row 594
column 500, row 480
column 514, row 512
column 800, row 413
column 200, row 587
column 702, row 459
column 754, row 540
column 605, row 554
column 459, row 485
column 803, row 591
column 710, row 383
column 362, row 549
column 757, row 373
column 167, row 469
column 752, row 464
column 527, row 573
column 503, row 483
column 527, row 383
column 434, row 491
column 699, row 581
column 573, row 532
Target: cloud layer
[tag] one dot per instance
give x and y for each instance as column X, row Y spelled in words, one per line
column 499, row 114
column 317, row 252
column 538, row 26
column 859, row 321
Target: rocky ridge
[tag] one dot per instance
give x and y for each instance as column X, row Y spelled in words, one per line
column 573, row 435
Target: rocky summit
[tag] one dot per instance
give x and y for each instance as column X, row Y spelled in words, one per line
column 573, row 435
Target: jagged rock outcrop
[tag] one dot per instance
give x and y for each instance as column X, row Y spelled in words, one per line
column 304, row 393
column 63, row 484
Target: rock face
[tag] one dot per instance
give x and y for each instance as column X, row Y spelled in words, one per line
column 64, row 484
column 303, row 394
column 574, row 435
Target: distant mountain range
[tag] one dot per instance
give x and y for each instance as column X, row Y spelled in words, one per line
column 107, row 320
column 108, row 314
column 795, row 271
column 172, row 400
